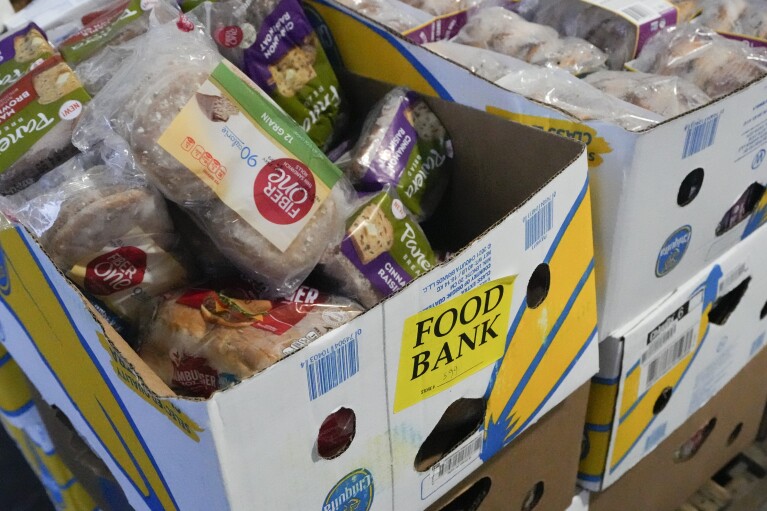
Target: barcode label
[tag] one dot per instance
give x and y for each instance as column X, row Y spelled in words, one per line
column 658, row 343
column 700, row 135
column 457, row 459
column 538, row 223
column 638, row 12
column 328, row 370
column 670, row 357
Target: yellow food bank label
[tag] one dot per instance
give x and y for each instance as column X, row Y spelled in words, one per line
column 446, row 344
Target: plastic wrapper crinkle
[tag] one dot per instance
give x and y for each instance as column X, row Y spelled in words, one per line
column 553, row 87
column 273, row 42
column 105, row 227
column 714, row 63
column 618, row 28
column 215, row 144
column 404, row 144
column 383, row 249
column 668, row 96
column 37, row 116
column 443, row 7
column 500, row 30
column 389, row 13
column 200, row 340
column 735, row 17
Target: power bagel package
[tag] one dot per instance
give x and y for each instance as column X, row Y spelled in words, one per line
column 20, row 51
column 106, row 228
column 202, row 340
column 216, row 145
column 276, row 46
column 37, row 116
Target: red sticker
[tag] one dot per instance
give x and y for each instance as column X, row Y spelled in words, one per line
column 229, row 37
column 284, row 191
column 184, row 23
column 115, row 271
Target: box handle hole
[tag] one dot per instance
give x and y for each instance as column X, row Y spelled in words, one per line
column 690, row 187
column 472, row 498
column 461, row 419
column 662, row 401
column 735, row 433
column 533, row 497
column 691, row 447
column 725, row 305
column 742, row 209
column 336, row 433
column 538, row 286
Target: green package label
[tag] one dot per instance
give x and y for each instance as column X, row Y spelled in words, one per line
column 100, row 30
column 20, row 51
column 34, row 105
column 188, row 5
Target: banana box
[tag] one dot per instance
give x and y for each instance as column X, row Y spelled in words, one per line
column 659, row 371
column 668, row 200
column 507, row 326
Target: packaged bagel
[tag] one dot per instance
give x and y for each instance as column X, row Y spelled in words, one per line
column 215, row 144
column 383, row 249
column 20, row 51
column 37, row 116
column 405, row 145
column 106, row 228
column 202, row 340
column 502, row 31
column 276, row 46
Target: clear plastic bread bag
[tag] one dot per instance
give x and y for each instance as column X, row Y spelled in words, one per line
column 668, row 96
column 106, row 228
column 383, row 249
column 203, row 340
column 498, row 29
column 275, row 45
column 215, row 144
column 404, row 144
column 735, row 17
column 389, row 13
column 714, row 63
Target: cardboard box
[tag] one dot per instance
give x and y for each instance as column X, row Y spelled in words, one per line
column 522, row 476
column 518, row 219
column 663, row 480
column 655, row 373
column 655, row 222
column 20, row 417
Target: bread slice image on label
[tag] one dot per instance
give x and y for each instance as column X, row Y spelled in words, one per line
column 372, row 233
column 216, row 108
column 55, row 83
column 30, row 46
column 295, row 69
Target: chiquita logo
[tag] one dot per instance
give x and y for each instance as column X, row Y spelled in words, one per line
column 673, row 250
column 5, row 281
column 352, row 493
column 115, row 271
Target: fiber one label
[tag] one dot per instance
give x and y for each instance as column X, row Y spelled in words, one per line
column 446, row 344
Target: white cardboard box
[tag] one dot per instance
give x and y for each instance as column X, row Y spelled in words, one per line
column 658, row 371
column 646, row 243
column 256, row 442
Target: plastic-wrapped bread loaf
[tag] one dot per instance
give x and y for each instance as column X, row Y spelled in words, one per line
column 387, row 13
column 262, row 191
column 714, row 63
column 199, row 340
column 668, row 96
column 737, row 17
column 502, row 31
column 106, row 228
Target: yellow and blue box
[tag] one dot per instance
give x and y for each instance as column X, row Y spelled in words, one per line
column 657, row 372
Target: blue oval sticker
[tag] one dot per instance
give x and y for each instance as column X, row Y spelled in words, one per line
column 673, row 250
column 352, row 493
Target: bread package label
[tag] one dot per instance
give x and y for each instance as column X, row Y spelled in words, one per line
column 128, row 273
column 412, row 155
column 386, row 244
column 288, row 61
column 99, row 28
column 33, row 106
column 438, row 29
column 648, row 16
column 20, row 51
column 256, row 159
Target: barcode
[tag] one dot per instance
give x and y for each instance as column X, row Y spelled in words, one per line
column 659, row 342
column 700, row 135
column 539, row 223
column 637, row 12
column 670, row 357
column 332, row 369
column 456, row 459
